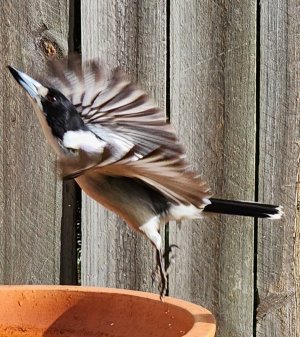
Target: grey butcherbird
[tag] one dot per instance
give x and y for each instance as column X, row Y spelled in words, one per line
column 116, row 143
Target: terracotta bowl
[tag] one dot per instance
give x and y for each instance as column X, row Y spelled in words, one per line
column 63, row 311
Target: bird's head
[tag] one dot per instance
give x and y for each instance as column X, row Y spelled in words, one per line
column 46, row 98
column 61, row 123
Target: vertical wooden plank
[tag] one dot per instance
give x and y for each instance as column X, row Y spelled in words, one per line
column 68, row 238
column 278, row 244
column 132, row 34
column 296, row 262
column 29, row 191
column 71, row 193
column 213, row 106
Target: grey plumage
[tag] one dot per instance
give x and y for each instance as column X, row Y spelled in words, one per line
column 140, row 143
column 114, row 140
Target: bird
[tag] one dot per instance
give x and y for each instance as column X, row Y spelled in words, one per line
column 113, row 139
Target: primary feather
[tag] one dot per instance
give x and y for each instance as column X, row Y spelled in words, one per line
column 116, row 142
column 140, row 143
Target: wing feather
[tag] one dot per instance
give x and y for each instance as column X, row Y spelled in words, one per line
column 141, row 144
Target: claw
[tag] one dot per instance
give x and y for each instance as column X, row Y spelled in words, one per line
column 169, row 250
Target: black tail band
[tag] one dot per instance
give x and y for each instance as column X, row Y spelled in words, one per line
column 252, row 209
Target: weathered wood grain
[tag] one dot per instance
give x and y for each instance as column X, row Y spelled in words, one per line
column 278, row 244
column 29, row 191
column 132, row 34
column 213, row 106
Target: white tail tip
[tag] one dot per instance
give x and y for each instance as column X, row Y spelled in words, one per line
column 278, row 215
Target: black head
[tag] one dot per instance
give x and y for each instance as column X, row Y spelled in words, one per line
column 59, row 112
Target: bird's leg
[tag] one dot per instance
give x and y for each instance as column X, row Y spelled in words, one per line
column 151, row 230
column 155, row 271
column 159, row 273
column 162, row 269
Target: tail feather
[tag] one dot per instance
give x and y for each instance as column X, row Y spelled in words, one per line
column 252, row 209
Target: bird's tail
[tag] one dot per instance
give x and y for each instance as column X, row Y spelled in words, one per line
column 252, row 209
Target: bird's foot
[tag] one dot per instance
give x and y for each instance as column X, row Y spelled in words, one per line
column 161, row 270
column 159, row 274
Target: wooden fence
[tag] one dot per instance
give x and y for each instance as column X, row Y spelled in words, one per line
column 227, row 73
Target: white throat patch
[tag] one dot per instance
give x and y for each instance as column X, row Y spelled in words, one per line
column 84, row 140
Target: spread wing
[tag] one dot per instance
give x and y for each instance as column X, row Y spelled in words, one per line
column 141, row 144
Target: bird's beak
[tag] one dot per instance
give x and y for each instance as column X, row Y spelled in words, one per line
column 34, row 89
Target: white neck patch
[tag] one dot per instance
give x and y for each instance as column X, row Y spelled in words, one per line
column 84, row 140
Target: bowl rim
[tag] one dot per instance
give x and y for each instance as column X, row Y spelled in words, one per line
column 204, row 321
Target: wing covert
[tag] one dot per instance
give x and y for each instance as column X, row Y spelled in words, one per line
column 141, row 144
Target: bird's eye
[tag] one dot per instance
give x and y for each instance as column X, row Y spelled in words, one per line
column 51, row 98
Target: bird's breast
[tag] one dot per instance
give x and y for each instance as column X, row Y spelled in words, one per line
column 124, row 196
